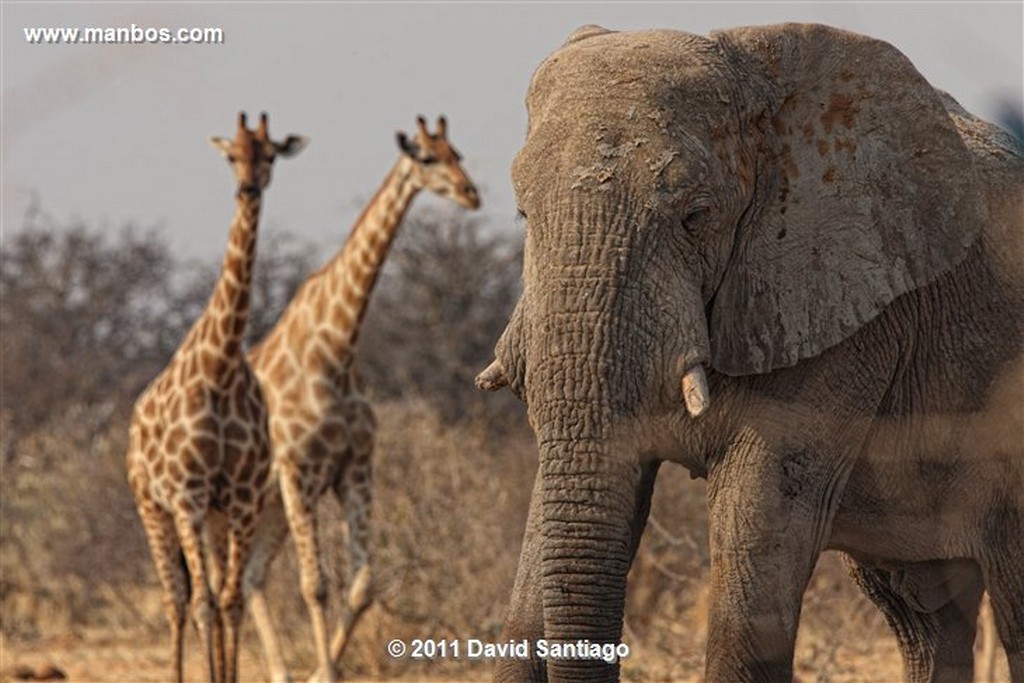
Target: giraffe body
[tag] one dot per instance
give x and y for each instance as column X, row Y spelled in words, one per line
column 199, row 456
column 322, row 427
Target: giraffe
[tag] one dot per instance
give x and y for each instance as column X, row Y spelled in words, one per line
column 322, row 428
column 198, row 457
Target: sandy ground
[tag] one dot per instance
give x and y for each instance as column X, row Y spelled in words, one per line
column 110, row 659
column 102, row 660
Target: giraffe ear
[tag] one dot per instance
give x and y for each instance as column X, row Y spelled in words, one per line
column 222, row 145
column 292, row 145
column 407, row 146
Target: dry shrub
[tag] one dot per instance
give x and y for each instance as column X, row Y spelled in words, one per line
column 843, row 636
column 73, row 551
column 443, row 300
column 449, row 512
column 666, row 602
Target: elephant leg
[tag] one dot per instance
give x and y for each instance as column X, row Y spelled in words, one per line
column 525, row 616
column 933, row 610
column 1005, row 583
column 770, row 515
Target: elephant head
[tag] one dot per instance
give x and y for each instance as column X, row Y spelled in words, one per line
column 736, row 203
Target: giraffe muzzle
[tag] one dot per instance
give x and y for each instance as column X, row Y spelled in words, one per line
column 471, row 195
column 249, row 190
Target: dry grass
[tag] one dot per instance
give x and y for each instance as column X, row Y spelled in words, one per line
column 78, row 590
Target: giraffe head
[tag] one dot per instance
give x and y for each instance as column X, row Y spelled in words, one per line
column 435, row 163
column 252, row 153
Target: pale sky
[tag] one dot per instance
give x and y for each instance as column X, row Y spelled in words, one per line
column 112, row 134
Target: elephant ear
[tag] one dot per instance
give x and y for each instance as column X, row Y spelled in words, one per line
column 865, row 192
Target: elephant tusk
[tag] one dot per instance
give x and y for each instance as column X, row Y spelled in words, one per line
column 492, row 378
column 694, row 386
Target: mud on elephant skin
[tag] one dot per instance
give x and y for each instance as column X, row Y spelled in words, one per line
column 777, row 256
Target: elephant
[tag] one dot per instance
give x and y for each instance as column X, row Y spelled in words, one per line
column 780, row 258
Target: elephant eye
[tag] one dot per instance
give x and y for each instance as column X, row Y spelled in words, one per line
column 520, row 214
column 694, row 216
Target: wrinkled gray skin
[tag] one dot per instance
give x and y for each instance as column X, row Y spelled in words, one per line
column 795, row 210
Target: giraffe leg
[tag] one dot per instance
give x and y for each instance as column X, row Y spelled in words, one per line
column 163, row 544
column 271, row 531
column 231, row 602
column 354, row 491
column 216, row 540
column 301, row 511
column 190, row 533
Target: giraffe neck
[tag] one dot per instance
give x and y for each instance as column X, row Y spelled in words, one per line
column 221, row 328
column 349, row 279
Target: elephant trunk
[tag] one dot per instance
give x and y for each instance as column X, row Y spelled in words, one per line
column 588, row 501
column 587, row 508
column 594, row 347
column 577, row 394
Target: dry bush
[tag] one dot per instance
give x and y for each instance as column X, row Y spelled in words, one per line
column 449, row 512
column 443, row 299
column 83, row 319
column 72, row 554
column 88, row 319
column 666, row 603
column 843, row 636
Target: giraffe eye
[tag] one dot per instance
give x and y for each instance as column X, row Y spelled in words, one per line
column 428, row 159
